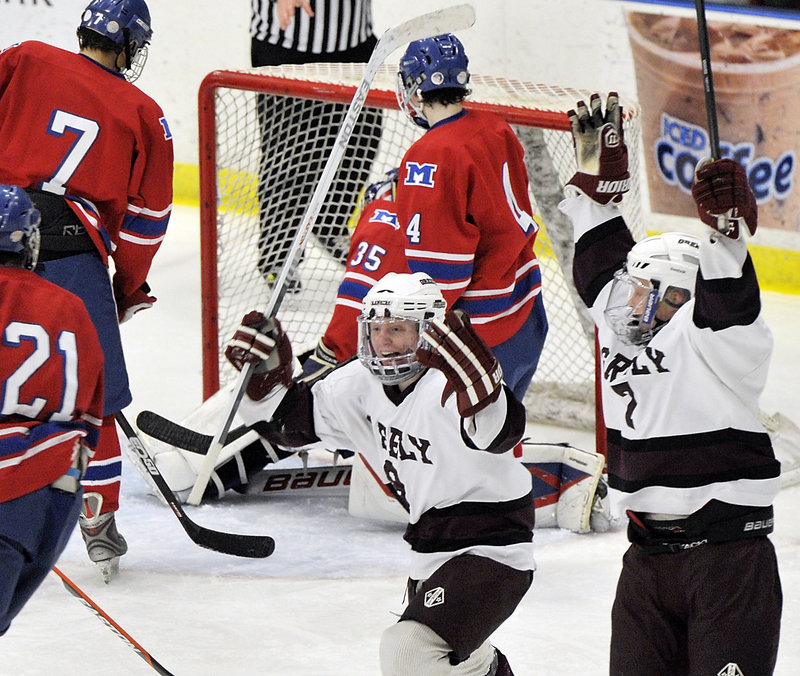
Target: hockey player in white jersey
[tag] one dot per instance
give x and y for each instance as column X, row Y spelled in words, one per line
column 426, row 405
column 685, row 353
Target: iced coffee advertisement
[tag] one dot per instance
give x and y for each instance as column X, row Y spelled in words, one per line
column 756, row 77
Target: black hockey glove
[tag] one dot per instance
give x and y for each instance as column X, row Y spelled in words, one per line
column 600, row 150
column 261, row 341
column 472, row 371
column 318, row 363
column 721, row 189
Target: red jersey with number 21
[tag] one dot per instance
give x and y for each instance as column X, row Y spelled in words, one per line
column 51, row 381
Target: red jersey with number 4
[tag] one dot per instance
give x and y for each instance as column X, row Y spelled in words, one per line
column 463, row 205
column 376, row 247
column 71, row 127
column 51, row 381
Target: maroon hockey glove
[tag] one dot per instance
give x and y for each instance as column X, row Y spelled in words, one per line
column 721, row 189
column 600, row 150
column 472, row 370
column 127, row 306
column 261, row 341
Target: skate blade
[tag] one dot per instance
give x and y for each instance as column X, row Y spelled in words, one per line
column 109, row 568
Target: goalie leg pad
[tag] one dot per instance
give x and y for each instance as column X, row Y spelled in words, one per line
column 581, row 474
column 369, row 497
column 565, row 485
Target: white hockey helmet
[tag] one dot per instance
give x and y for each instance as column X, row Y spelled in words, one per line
column 394, row 298
column 659, row 277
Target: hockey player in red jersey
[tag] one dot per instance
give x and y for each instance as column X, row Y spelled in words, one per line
column 685, row 352
column 426, row 405
column 463, row 206
column 51, row 403
column 377, row 246
column 95, row 155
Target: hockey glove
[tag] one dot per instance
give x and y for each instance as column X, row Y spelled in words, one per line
column 261, row 341
column 127, row 306
column 600, row 150
column 721, row 189
column 472, row 370
column 318, row 362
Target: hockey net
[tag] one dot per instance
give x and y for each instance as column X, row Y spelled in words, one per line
column 261, row 131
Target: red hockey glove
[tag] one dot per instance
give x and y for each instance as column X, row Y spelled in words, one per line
column 127, row 306
column 261, row 341
column 600, row 150
column 721, row 189
column 472, row 370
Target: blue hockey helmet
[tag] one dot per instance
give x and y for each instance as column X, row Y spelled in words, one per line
column 433, row 63
column 127, row 24
column 19, row 225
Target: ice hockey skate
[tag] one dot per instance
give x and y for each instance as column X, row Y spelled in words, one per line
column 104, row 544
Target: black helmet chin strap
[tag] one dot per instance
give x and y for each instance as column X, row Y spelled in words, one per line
column 126, row 34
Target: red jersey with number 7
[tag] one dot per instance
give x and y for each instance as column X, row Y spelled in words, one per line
column 71, row 127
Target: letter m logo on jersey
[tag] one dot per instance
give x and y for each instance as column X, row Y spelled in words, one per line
column 420, row 174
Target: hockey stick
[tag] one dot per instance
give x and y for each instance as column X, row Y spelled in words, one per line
column 251, row 546
column 162, row 429
column 78, row 593
column 723, row 224
column 445, row 20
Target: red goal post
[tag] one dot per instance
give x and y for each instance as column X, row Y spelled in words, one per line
column 238, row 231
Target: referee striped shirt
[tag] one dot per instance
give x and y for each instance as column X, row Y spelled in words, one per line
column 337, row 25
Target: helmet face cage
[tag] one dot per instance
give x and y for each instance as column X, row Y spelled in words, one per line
column 631, row 308
column 433, row 63
column 398, row 298
column 19, row 225
column 127, row 24
column 659, row 269
column 396, row 368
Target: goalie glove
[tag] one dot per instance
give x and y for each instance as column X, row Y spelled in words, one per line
column 600, row 150
column 262, row 342
column 721, row 189
column 472, row 371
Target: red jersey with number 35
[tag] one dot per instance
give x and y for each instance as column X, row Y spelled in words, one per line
column 51, row 381
column 376, row 247
column 71, row 127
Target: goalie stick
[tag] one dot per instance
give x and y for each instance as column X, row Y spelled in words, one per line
column 251, row 546
column 78, row 593
column 440, row 21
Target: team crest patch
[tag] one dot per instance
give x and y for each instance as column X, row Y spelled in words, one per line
column 420, row 175
column 730, row 669
column 384, row 216
column 434, row 597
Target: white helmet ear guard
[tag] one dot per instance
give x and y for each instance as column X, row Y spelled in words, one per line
column 659, row 270
column 398, row 298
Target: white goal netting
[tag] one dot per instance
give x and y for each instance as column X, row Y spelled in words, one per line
column 265, row 136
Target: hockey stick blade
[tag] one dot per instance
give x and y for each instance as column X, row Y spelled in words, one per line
column 434, row 23
column 249, row 546
column 78, row 593
column 159, row 427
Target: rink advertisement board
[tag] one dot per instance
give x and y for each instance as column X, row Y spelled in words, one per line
column 755, row 63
